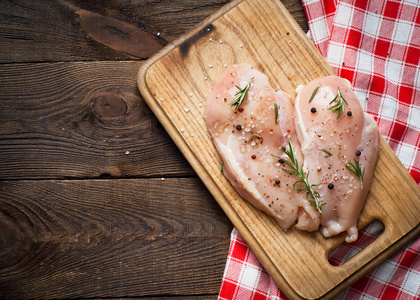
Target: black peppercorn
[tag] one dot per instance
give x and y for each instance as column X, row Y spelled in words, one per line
column 313, row 110
column 349, row 113
column 358, row 153
column 281, row 161
column 283, row 148
column 331, row 186
column 253, row 156
column 277, row 181
column 238, row 127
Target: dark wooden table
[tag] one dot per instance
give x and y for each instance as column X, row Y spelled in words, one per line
column 96, row 200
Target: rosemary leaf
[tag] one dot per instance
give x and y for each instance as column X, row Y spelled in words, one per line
column 254, row 136
column 289, row 164
column 314, row 93
column 322, row 149
column 276, row 111
column 291, row 172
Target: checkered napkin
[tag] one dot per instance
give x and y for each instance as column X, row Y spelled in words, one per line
column 376, row 45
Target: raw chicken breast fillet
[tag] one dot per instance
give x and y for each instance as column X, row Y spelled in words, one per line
column 329, row 143
column 248, row 135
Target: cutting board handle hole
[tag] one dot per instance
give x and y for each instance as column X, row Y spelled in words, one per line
column 345, row 251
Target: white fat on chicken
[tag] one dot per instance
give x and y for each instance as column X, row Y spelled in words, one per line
column 246, row 138
column 329, row 143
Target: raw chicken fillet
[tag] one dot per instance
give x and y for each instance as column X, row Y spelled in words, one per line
column 252, row 138
column 329, row 141
column 246, row 138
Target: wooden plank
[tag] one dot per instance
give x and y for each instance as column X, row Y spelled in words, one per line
column 77, row 120
column 35, row 31
column 110, row 238
column 74, row 30
column 183, row 297
column 184, row 73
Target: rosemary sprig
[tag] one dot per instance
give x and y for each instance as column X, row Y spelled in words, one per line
column 356, row 170
column 339, row 105
column 276, row 111
column 293, row 164
column 314, row 93
column 322, row 149
column 240, row 96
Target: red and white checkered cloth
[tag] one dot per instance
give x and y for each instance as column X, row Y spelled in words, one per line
column 376, row 45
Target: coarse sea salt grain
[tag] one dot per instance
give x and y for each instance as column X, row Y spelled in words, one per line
column 210, row 66
column 182, row 130
column 186, row 110
column 220, row 41
column 161, row 99
column 192, row 134
column 127, row 152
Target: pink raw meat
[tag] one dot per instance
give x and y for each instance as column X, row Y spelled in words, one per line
column 352, row 136
column 247, row 137
column 330, row 134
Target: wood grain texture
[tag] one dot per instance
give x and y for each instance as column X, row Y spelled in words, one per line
column 183, row 297
column 72, row 30
column 184, row 73
column 69, row 108
column 77, row 120
column 110, row 238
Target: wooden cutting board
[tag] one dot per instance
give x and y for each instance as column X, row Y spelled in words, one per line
column 175, row 84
